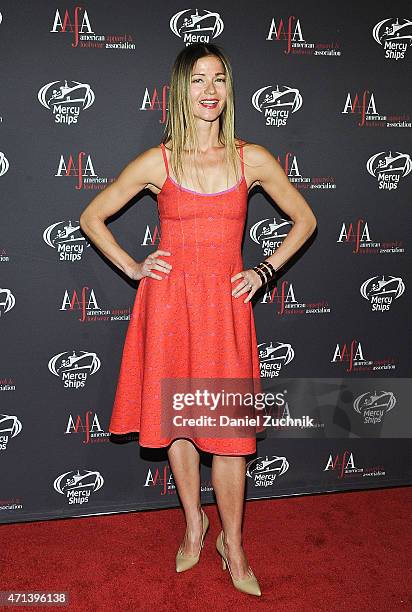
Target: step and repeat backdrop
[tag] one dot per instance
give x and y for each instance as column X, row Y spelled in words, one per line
column 324, row 87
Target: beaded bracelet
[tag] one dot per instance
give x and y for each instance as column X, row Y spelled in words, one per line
column 265, row 270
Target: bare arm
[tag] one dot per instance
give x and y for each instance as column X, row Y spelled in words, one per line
column 265, row 170
column 271, row 176
column 133, row 178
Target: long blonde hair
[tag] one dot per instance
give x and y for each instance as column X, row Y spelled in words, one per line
column 180, row 129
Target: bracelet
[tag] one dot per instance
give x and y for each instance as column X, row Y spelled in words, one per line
column 261, row 275
column 269, row 266
column 265, row 270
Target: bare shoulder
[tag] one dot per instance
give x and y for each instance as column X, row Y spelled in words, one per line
column 149, row 158
column 258, row 163
column 150, row 167
column 144, row 162
column 158, row 168
column 256, row 154
column 141, row 172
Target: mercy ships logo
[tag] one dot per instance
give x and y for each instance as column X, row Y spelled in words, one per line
column 381, row 291
column 74, row 369
column 67, row 239
column 194, row 27
column 389, row 169
column 394, row 37
column 78, row 487
column 66, row 101
column 276, row 104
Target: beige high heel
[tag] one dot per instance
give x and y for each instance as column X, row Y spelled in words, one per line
column 247, row 585
column 185, row 562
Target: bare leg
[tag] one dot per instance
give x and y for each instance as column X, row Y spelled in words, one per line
column 184, row 462
column 228, row 479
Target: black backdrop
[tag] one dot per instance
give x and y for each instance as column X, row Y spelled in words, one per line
column 326, row 88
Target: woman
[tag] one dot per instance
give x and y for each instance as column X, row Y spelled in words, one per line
column 192, row 315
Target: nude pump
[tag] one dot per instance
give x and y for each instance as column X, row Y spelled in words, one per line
column 185, row 562
column 247, row 585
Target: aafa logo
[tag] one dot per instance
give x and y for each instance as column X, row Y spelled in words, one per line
column 88, row 425
column 355, row 232
column 362, row 104
column 342, row 465
column 156, row 102
column 80, row 171
column 161, row 479
column 283, row 297
column 296, row 43
column 292, row 171
column 66, row 25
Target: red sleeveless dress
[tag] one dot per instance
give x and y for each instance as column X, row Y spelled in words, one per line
column 188, row 325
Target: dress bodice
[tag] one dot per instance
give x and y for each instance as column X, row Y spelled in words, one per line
column 202, row 231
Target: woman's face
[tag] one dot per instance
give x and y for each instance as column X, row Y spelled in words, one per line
column 208, row 83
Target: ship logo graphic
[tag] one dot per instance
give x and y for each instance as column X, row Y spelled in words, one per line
column 4, row 164
column 288, row 98
column 275, row 466
column 65, row 95
column 391, row 30
column 64, row 232
column 392, row 286
column 375, row 400
column 187, row 24
column 10, row 425
column 7, row 301
column 281, row 353
column 269, row 229
column 383, row 163
column 88, row 479
column 83, row 361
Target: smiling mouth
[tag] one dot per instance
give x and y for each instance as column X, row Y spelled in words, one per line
column 209, row 104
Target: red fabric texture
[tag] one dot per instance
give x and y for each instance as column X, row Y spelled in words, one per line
column 188, row 325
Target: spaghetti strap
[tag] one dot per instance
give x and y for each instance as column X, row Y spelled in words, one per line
column 165, row 157
column 241, row 158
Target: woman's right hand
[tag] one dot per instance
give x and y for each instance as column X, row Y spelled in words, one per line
column 152, row 262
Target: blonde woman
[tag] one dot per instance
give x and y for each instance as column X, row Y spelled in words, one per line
column 192, row 315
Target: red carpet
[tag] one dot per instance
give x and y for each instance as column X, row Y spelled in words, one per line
column 330, row 552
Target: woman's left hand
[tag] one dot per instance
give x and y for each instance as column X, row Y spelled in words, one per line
column 251, row 282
